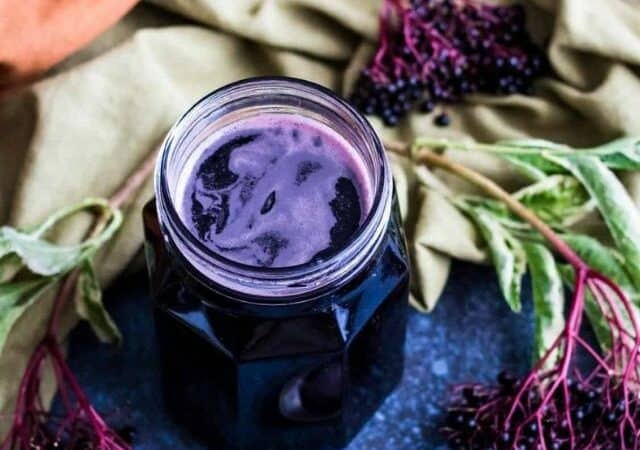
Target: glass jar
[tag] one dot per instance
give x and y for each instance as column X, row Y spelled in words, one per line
column 286, row 357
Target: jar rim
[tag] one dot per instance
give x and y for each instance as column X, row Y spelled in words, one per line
column 175, row 228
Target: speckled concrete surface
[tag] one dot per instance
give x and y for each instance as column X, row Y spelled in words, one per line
column 470, row 336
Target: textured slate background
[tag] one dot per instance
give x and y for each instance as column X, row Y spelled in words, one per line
column 470, row 336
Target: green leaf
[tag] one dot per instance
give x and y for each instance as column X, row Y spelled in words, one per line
column 48, row 262
column 506, row 252
column 15, row 299
column 42, row 257
column 99, row 204
column 616, row 206
column 602, row 259
column 527, row 155
column 494, row 207
column 498, row 210
column 527, row 168
column 548, row 298
column 559, row 200
column 605, row 260
column 89, row 306
column 45, row 258
column 621, row 154
column 530, row 156
column 531, row 146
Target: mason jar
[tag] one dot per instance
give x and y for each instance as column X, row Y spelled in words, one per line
column 289, row 357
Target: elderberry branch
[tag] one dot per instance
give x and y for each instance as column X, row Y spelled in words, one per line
column 82, row 428
column 560, row 408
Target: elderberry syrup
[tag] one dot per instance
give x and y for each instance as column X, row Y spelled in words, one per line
column 278, row 268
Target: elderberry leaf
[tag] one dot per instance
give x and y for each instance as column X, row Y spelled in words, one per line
column 46, row 262
column 527, row 156
column 615, row 205
column 536, row 158
column 608, row 262
column 498, row 210
column 89, row 306
column 621, row 154
column 44, row 258
column 495, row 207
column 526, row 167
column 559, row 200
column 99, row 204
column 548, row 299
column 15, row 299
column 507, row 255
column 531, row 146
column 603, row 259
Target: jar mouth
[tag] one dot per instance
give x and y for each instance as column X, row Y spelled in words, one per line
column 271, row 284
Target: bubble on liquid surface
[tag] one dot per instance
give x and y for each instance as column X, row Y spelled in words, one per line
column 276, row 191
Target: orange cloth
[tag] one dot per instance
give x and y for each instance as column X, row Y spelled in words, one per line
column 36, row 34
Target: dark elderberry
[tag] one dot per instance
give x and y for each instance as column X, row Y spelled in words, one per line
column 482, row 410
column 456, row 420
column 427, row 106
column 441, row 51
column 579, row 415
column 471, row 424
column 442, row 120
column 506, row 379
column 127, row 434
column 610, row 418
column 532, row 429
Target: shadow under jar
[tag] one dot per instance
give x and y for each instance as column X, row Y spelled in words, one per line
column 278, row 268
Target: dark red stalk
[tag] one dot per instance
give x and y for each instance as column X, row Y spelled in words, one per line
column 81, row 427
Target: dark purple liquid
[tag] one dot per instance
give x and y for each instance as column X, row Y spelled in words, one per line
column 275, row 190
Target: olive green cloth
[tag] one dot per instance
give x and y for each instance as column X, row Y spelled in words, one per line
column 85, row 126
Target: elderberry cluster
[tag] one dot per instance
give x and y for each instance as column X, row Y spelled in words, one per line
column 441, row 50
column 477, row 418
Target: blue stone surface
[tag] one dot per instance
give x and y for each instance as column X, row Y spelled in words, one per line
column 470, row 336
